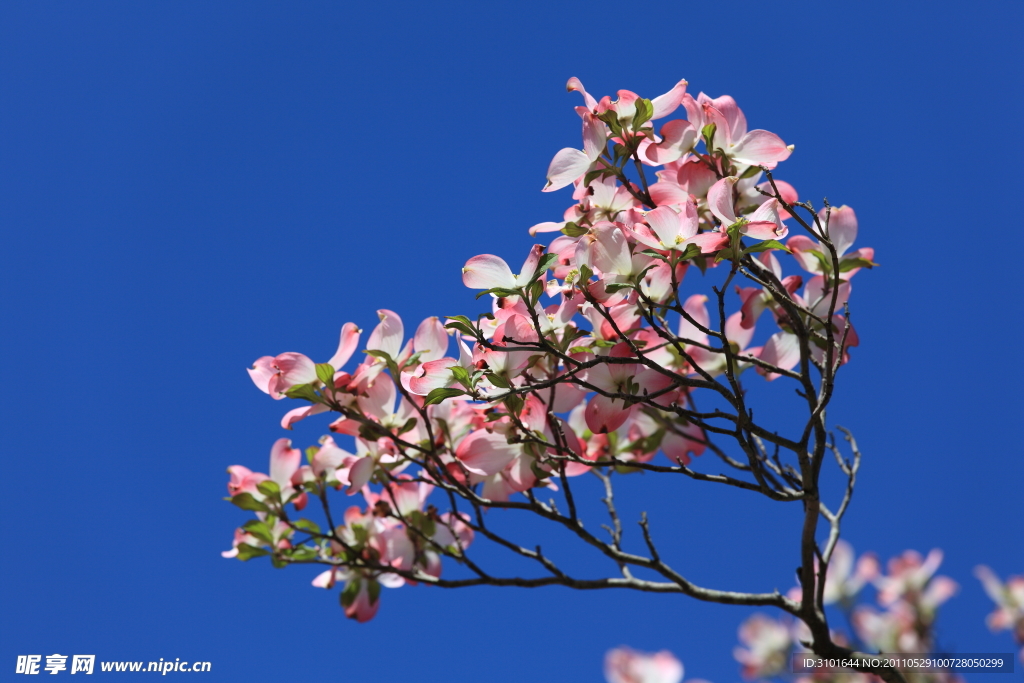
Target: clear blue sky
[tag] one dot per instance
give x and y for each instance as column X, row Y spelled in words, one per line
column 187, row 186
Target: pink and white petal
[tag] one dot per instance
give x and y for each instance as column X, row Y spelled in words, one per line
column 262, row 372
column 842, row 228
column 781, row 350
column 667, row 193
column 736, row 332
column 388, row 334
column 568, row 165
column 574, row 84
column 485, row 453
column 431, row 340
column 595, row 136
column 429, row 376
column 665, row 223
column 347, row 345
column 710, row 242
column 604, row 414
column 295, row 368
column 720, row 200
column 298, row 414
column 800, row 246
column 678, row 138
column 765, row 230
column 759, row 147
column 546, row 227
column 487, row 271
column 359, row 474
column 284, row 461
column 529, row 268
column 680, row 447
column 667, row 103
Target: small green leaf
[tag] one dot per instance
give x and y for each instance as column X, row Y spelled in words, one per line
column 303, row 391
column 657, row 254
column 311, row 453
column 546, row 261
column 825, row 261
column 708, row 133
column 325, row 373
column 246, row 552
column 585, row 273
column 408, row 426
column 307, row 525
column 849, row 264
column 302, row 553
column 461, row 375
column 464, row 328
column 259, row 529
column 573, row 230
column 440, row 394
column 536, row 289
column 269, row 488
column 514, row 403
column 617, row 286
column 644, row 112
column 751, row 172
column 498, row 381
column 499, row 291
column 246, row 501
column 765, row 246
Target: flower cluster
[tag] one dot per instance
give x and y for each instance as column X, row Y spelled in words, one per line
column 592, row 358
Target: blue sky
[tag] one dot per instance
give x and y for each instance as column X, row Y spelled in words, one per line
column 185, row 187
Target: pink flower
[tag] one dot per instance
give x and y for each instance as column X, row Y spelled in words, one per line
column 623, row 665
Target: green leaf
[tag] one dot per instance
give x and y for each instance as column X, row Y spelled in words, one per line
column 612, row 119
column 592, row 175
column 259, row 529
column 573, row 230
column 440, row 394
column 303, row 391
column 408, row 426
column 536, row 289
column 461, row 327
column 269, row 488
column 246, row 552
column 692, row 251
column 311, row 453
column 307, row 525
column 657, row 254
column 708, row 133
column 585, row 273
column 325, row 373
column 246, row 501
column 499, row 291
column 849, row 264
column 580, row 349
column 617, row 286
column 546, row 261
column 514, row 403
column 765, row 246
column 751, row 172
column 461, row 376
column 498, row 381
column 303, row 553
column 825, row 261
column 644, row 112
